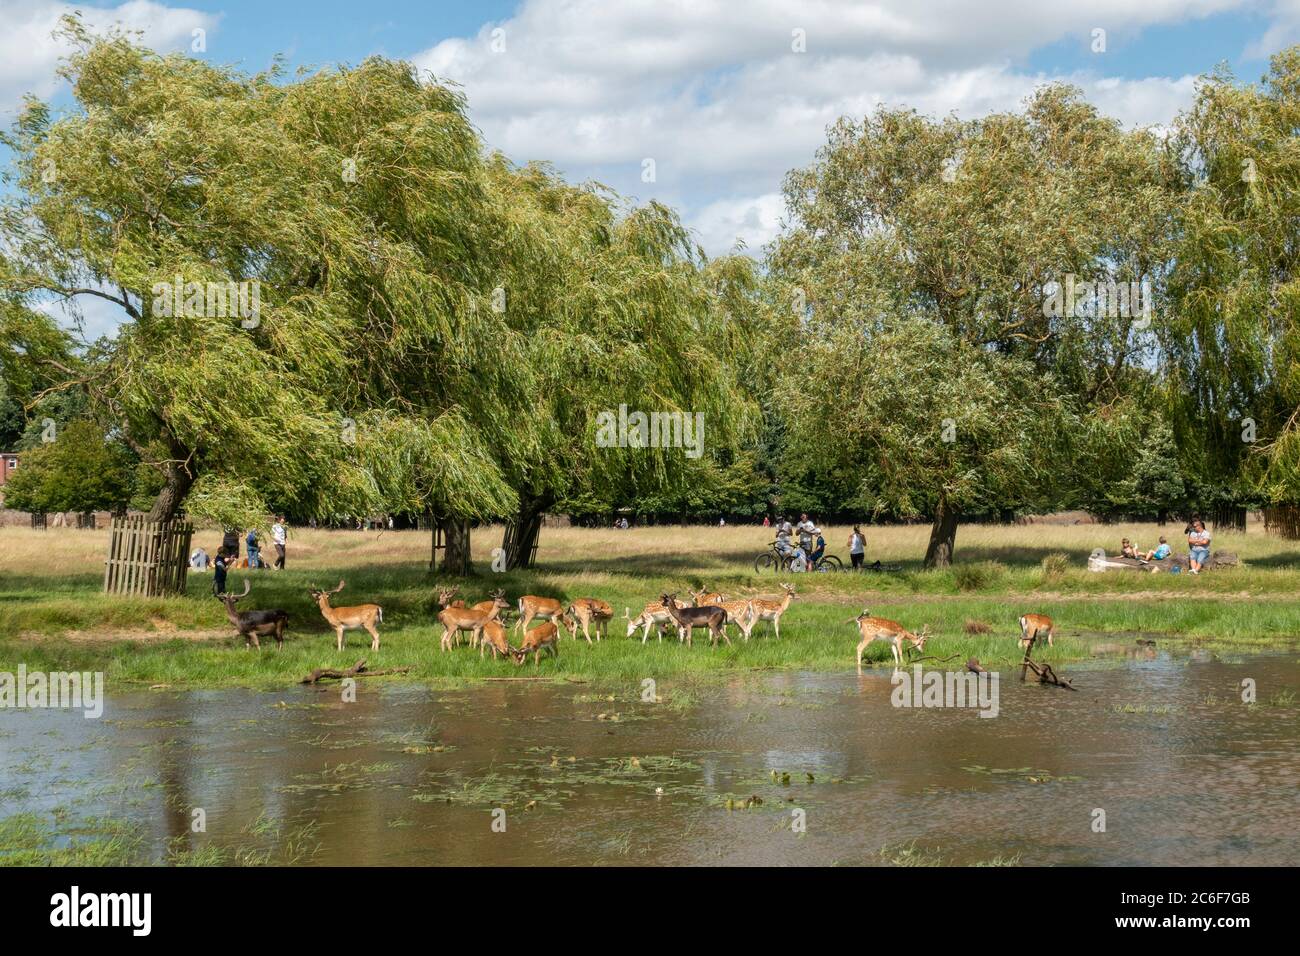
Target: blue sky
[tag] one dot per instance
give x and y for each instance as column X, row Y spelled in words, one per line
column 716, row 93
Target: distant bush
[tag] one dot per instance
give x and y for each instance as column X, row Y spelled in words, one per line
column 977, row 576
column 1055, row 565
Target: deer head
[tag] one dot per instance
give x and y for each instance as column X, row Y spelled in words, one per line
column 229, row 599
column 317, row 594
column 446, row 595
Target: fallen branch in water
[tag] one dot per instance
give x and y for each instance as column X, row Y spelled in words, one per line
column 973, row 665
column 356, row 670
column 570, row 680
column 941, row 660
column 1043, row 672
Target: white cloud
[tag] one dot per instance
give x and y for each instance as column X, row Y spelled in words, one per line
column 714, row 93
column 29, row 54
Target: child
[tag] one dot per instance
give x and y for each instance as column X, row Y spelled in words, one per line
column 1161, row 552
column 819, row 547
column 1127, row 549
column 219, row 572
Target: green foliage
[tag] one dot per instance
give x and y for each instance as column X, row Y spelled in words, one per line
column 78, row 471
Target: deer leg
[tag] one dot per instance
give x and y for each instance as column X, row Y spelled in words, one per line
column 339, row 632
column 862, row 646
column 374, row 637
column 776, row 625
column 1049, row 637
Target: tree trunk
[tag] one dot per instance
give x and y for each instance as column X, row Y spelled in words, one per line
column 943, row 536
column 521, row 534
column 456, row 554
column 172, row 496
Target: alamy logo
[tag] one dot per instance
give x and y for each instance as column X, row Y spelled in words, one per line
column 656, row 430
column 103, row 909
column 209, row 300
column 1130, row 300
column 945, row 689
column 59, row 689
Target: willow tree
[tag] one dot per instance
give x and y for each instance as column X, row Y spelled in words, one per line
column 608, row 307
column 1000, row 231
column 1233, row 348
column 348, row 208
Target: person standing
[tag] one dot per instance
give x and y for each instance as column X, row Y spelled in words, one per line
column 279, row 534
column 857, row 548
column 230, row 544
column 254, row 552
column 767, row 522
column 219, row 572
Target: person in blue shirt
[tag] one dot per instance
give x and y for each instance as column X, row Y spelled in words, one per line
column 1160, row 552
column 254, row 552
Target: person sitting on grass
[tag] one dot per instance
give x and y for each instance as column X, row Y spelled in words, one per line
column 1128, row 549
column 1198, row 544
column 1161, row 551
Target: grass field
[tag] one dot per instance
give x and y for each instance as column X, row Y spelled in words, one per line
column 53, row 616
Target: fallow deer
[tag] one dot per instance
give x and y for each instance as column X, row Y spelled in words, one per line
column 250, row 624
column 704, row 597
column 1035, row 627
column 689, row 618
column 544, row 637
column 767, row 609
column 589, row 611
column 654, row 615
column 891, row 632
column 494, row 637
column 348, row 618
column 457, row 619
column 740, row 613
column 534, row 608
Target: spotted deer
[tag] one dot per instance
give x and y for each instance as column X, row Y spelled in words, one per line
column 348, row 618
column 494, row 638
column 534, row 608
column 654, row 615
column 457, row 619
column 891, row 632
column 1034, row 628
column 768, row 609
column 544, row 637
column 589, row 611
column 705, row 597
column 741, row 614
column 250, row 624
column 689, row 618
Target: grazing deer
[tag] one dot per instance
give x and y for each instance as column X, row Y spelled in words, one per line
column 250, row 624
column 589, row 611
column 706, row 598
column 893, row 633
column 499, row 593
column 494, row 637
column 544, row 637
column 1034, row 627
column 457, row 619
column 534, row 608
column 689, row 618
column 348, row 618
column 654, row 615
column 770, row 610
column 740, row 613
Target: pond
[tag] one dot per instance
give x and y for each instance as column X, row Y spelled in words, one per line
column 766, row 769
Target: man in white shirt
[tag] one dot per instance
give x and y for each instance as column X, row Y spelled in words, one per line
column 279, row 533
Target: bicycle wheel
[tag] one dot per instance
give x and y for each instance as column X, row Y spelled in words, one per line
column 830, row 563
column 765, row 562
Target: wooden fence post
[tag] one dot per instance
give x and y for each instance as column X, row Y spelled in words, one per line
column 147, row 558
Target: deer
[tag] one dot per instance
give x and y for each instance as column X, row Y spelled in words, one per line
column 250, row 624
column 767, row 609
column 1034, row 627
column 348, row 618
column 494, row 638
column 457, row 619
column 706, row 598
column 740, row 613
column 893, row 633
column 689, row 618
column 588, row 611
column 544, row 637
column 654, row 615
column 532, row 608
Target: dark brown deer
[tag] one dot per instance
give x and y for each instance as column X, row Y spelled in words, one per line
column 689, row 618
column 252, row 623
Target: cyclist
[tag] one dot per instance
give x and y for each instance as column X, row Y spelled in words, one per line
column 783, row 547
column 819, row 547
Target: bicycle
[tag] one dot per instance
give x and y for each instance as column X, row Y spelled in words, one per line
column 774, row 560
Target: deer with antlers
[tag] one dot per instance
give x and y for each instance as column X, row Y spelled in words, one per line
column 544, row 637
column 456, row 619
column 1034, row 628
column 704, row 597
column 900, row 640
column 250, row 624
column 767, row 609
column 689, row 618
column 348, row 618
column 589, row 611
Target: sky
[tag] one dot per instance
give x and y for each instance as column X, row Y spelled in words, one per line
column 702, row 104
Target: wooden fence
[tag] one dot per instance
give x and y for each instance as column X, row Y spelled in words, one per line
column 1283, row 520
column 148, row 558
